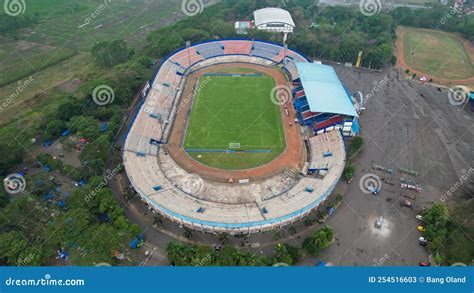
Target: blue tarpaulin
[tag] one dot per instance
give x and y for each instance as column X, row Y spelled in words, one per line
column 47, row 144
column 48, row 196
column 135, row 243
column 104, row 127
column 104, row 217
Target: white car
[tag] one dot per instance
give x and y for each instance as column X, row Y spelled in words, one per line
column 379, row 223
column 422, row 239
column 419, row 217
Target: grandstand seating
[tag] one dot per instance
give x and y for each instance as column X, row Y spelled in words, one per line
column 290, row 67
column 265, row 50
column 281, row 55
column 331, row 121
column 323, row 149
column 299, row 94
column 237, row 47
column 209, row 50
column 308, row 114
column 186, row 58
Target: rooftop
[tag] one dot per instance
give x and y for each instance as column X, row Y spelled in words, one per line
column 272, row 15
column 324, row 90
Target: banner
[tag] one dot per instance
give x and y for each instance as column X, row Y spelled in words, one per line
column 237, row 279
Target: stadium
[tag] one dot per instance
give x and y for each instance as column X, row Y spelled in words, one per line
column 239, row 136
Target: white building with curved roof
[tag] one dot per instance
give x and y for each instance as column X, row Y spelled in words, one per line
column 273, row 19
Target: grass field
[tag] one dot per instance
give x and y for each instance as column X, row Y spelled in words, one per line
column 57, row 48
column 16, row 66
column 436, row 54
column 235, row 110
column 61, row 21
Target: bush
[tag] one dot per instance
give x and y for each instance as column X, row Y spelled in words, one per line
column 348, row 172
column 355, row 147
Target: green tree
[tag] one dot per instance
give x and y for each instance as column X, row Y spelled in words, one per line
column 11, row 246
column 85, row 126
column 319, row 240
column 109, row 54
column 286, row 253
column 436, row 221
column 54, row 128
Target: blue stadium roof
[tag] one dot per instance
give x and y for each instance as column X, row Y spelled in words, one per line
column 324, row 90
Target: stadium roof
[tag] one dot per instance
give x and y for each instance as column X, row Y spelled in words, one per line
column 272, row 15
column 324, row 90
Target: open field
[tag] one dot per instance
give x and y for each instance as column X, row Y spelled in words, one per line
column 56, row 49
column 30, row 98
column 22, row 59
column 235, row 110
column 64, row 23
column 439, row 55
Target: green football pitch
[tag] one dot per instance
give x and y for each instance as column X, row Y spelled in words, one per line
column 235, row 113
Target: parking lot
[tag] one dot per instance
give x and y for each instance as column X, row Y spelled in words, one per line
column 405, row 125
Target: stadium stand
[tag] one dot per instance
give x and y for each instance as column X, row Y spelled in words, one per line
column 162, row 184
column 237, row 47
column 211, row 49
column 290, row 67
column 323, row 149
column 265, row 50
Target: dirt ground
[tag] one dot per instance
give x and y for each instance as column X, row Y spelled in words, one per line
column 292, row 157
column 403, row 64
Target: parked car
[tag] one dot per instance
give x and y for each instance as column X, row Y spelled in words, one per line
column 425, row 264
column 419, row 217
column 421, row 228
column 423, row 241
